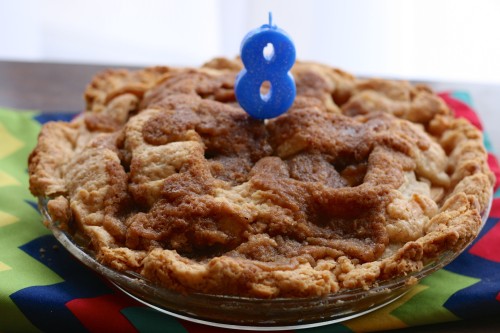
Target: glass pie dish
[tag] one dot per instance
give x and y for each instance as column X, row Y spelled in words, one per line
column 245, row 312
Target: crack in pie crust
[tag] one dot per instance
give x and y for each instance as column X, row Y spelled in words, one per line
column 362, row 180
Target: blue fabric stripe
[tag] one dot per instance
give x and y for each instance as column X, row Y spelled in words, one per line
column 44, row 117
column 45, row 306
column 482, row 294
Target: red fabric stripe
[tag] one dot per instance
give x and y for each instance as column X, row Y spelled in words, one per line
column 102, row 313
column 495, row 168
column 488, row 247
column 461, row 110
column 495, row 209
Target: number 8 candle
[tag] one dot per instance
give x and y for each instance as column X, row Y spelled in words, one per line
column 268, row 54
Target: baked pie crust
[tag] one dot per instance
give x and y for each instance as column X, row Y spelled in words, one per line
column 362, row 180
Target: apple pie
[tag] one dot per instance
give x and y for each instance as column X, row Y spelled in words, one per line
column 361, row 181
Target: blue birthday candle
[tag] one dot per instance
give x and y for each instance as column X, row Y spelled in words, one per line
column 268, row 54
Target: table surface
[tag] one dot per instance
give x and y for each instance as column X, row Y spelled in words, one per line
column 59, row 87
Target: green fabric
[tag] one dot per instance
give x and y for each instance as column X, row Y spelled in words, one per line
column 429, row 302
column 19, row 222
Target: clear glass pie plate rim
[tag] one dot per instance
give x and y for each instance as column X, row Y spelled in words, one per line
column 244, row 313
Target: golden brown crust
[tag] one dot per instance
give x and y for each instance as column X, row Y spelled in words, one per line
column 361, row 180
column 109, row 84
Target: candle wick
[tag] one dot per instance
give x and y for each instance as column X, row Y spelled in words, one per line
column 270, row 19
column 268, row 52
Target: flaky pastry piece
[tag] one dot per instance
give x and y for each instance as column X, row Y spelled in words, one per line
column 362, row 180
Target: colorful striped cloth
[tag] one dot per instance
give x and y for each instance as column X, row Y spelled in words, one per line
column 43, row 288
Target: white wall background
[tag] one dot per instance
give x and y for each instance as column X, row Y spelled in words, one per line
column 453, row 40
